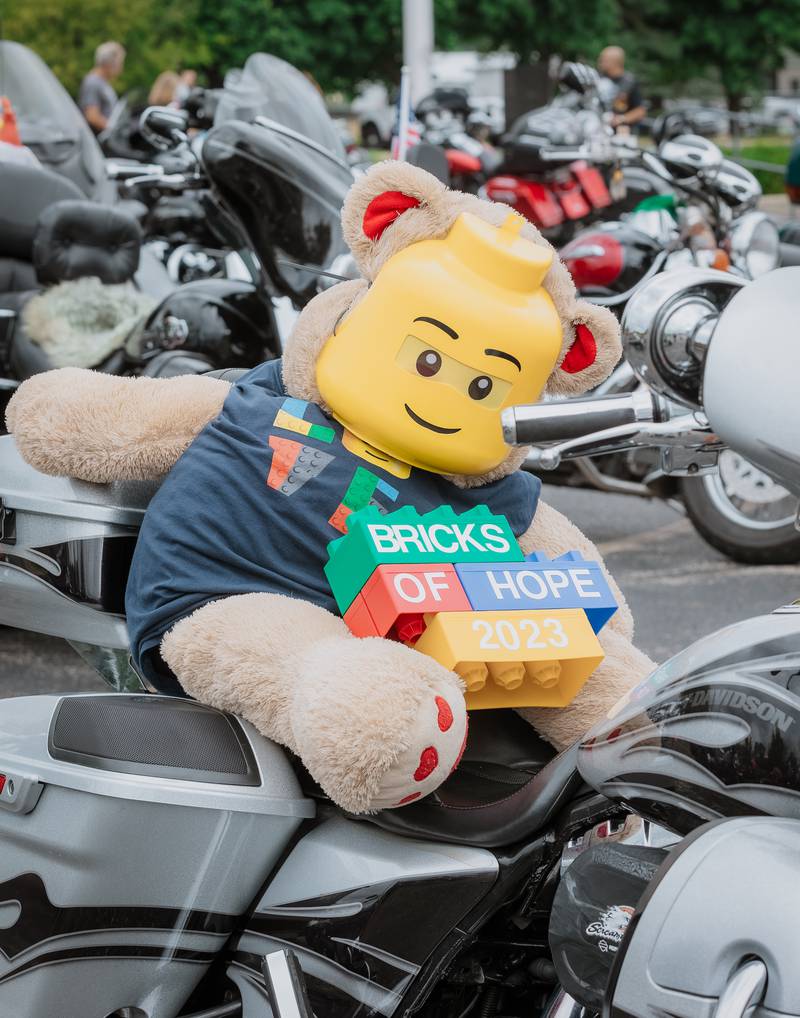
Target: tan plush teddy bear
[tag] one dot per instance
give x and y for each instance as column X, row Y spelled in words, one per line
column 389, row 394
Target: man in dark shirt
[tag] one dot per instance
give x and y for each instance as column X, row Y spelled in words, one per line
column 619, row 88
column 97, row 98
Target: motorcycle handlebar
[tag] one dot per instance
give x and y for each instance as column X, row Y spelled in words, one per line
column 563, row 420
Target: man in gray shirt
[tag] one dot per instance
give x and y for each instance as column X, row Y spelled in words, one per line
column 97, row 98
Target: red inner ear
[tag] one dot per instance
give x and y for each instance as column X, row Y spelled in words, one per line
column 583, row 352
column 383, row 210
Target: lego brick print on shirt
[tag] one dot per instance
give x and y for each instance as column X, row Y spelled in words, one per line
column 294, row 463
column 364, row 489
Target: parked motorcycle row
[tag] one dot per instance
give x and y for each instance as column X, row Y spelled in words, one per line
column 621, row 214
column 487, row 902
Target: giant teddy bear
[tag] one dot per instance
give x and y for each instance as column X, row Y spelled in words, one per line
column 389, row 393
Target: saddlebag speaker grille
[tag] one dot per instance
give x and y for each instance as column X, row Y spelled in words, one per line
column 152, row 736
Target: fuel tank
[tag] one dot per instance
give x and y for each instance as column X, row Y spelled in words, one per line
column 713, row 733
column 135, row 833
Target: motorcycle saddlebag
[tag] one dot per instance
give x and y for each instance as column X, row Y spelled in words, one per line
column 728, row 896
column 135, row 833
column 65, row 551
column 593, row 906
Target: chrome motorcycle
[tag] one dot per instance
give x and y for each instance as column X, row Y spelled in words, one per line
column 710, row 219
column 162, row 859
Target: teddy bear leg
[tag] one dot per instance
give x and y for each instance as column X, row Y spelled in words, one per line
column 623, row 668
column 374, row 722
column 378, row 725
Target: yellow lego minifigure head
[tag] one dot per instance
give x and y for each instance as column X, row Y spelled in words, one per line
column 469, row 311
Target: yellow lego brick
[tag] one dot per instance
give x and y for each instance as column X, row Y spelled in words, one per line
column 533, row 658
column 291, row 423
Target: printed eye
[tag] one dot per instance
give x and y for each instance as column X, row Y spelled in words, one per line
column 480, row 387
column 428, row 363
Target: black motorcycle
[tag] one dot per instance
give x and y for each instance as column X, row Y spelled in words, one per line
column 270, row 197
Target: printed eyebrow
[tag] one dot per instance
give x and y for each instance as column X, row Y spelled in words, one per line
column 439, row 325
column 505, row 356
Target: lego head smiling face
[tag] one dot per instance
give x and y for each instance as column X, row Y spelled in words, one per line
column 452, row 331
column 468, row 312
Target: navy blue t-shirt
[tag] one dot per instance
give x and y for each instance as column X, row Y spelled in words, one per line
column 255, row 500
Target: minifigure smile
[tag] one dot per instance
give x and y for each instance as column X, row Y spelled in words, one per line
column 427, row 424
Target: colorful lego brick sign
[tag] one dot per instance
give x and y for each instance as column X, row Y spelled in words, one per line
column 519, row 630
column 404, row 536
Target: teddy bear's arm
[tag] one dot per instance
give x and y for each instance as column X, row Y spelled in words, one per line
column 553, row 534
column 101, row 428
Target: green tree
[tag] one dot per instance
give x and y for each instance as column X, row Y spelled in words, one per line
column 572, row 29
column 158, row 34
column 740, row 42
column 338, row 42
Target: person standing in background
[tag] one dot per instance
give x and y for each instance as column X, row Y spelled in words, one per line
column 97, row 97
column 164, row 90
column 620, row 89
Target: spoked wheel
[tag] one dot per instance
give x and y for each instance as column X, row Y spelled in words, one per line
column 743, row 513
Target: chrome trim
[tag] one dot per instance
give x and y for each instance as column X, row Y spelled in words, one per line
column 646, row 318
column 558, row 420
column 285, row 985
column 744, row 990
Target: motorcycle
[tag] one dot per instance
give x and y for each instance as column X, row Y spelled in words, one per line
column 563, row 166
column 163, row 859
column 50, row 124
column 271, row 197
column 711, row 220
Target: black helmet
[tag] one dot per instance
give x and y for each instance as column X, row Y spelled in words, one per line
column 224, row 321
column 714, row 732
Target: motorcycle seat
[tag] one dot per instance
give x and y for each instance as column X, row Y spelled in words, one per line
column 509, row 785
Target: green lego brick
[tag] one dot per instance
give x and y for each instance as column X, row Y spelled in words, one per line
column 320, row 432
column 441, row 535
column 360, row 490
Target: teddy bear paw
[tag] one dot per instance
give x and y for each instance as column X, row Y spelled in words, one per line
column 435, row 746
column 377, row 724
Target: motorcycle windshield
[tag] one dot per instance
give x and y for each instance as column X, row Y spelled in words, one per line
column 269, row 87
column 49, row 122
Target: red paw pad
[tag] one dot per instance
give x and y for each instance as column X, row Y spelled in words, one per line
column 409, row 798
column 445, row 714
column 428, row 762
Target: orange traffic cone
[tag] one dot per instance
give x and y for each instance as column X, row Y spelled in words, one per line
column 8, row 123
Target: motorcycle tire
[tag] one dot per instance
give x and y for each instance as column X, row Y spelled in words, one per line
column 743, row 513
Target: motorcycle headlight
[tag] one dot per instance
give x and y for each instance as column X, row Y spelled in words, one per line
column 755, row 244
column 667, row 326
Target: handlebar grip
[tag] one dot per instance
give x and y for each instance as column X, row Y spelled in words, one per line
column 562, row 420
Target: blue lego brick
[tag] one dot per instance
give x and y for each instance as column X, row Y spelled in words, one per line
column 297, row 407
column 389, row 490
column 569, row 581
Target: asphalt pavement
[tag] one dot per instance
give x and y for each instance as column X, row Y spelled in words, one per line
column 678, row 587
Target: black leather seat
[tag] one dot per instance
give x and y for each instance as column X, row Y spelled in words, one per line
column 509, row 785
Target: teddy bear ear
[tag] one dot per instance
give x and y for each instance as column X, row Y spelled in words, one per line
column 591, row 350
column 391, row 206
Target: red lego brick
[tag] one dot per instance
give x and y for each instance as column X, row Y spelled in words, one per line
column 339, row 518
column 395, row 590
column 408, row 628
column 358, row 619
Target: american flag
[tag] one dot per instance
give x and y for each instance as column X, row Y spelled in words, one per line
column 406, row 124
